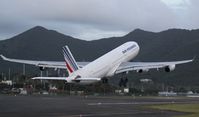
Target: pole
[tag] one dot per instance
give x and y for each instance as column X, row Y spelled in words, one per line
column 58, row 72
column 9, row 74
column 2, row 76
column 47, row 73
column 24, row 69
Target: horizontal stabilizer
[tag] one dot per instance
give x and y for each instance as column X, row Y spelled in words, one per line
column 65, row 78
column 90, row 79
column 49, row 78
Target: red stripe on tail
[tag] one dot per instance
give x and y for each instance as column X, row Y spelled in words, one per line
column 69, row 68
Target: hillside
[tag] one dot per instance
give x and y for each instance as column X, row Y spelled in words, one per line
column 39, row 43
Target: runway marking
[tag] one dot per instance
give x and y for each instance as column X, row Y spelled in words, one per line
column 130, row 103
column 109, row 114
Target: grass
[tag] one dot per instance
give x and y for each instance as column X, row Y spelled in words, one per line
column 193, row 109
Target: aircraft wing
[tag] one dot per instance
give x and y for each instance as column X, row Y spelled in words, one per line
column 44, row 64
column 66, row 79
column 145, row 66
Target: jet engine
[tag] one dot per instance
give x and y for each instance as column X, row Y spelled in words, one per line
column 170, row 68
column 142, row 70
column 42, row 68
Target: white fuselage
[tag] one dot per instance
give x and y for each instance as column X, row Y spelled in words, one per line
column 107, row 64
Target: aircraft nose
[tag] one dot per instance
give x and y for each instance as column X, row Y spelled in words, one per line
column 138, row 47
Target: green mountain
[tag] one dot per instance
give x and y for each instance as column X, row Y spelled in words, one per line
column 39, row 43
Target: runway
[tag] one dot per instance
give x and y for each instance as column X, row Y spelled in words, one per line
column 85, row 106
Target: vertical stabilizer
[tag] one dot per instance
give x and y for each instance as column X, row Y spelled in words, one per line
column 71, row 64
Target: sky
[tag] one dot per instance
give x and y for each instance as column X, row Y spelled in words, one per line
column 96, row 19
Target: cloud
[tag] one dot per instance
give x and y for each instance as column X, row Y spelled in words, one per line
column 94, row 19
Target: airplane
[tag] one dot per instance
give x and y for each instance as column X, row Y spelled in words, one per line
column 114, row 62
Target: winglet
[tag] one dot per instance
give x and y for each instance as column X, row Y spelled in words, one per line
column 3, row 57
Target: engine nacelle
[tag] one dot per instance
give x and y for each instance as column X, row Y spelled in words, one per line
column 42, row 68
column 170, row 68
column 142, row 70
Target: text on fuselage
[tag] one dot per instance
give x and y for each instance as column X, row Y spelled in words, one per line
column 129, row 48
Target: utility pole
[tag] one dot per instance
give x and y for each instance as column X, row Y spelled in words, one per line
column 24, row 69
column 47, row 73
column 42, row 81
column 58, row 72
column 9, row 74
column 41, row 73
column 2, row 75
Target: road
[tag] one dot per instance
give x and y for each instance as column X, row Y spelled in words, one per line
column 85, row 106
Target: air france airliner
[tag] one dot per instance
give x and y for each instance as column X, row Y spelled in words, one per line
column 111, row 63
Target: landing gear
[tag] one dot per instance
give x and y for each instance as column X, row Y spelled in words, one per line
column 104, row 80
column 41, row 68
column 123, row 82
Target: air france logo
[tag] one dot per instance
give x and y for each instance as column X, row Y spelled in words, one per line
column 129, row 48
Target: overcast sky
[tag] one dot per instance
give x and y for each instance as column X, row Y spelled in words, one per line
column 95, row 19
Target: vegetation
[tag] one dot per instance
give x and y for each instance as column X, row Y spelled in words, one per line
column 192, row 110
column 136, row 87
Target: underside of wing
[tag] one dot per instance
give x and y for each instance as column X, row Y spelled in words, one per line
column 145, row 66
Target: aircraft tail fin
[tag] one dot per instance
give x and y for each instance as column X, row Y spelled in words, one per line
column 71, row 64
